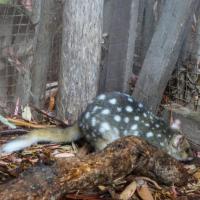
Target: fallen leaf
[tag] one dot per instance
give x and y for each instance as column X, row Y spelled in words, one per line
column 143, row 191
column 128, row 191
column 197, row 175
column 64, row 155
column 26, row 113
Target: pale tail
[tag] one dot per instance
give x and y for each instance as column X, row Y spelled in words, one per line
column 42, row 135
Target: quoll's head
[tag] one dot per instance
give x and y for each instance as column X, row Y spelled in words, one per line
column 179, row 147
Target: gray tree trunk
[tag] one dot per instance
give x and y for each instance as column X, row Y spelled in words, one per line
column 163, row 51
column 42, row 52
column 148, row 16
column 25, row 47
column 120, row 25
column 80, row 56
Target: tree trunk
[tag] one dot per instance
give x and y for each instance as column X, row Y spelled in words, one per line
column 42, row 52
column 80, row 56
column 149, row 15
column 24, row 48
column 163, row 51
column 120, row 25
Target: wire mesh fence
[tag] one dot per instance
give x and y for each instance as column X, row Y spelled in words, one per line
column 18, row 36
column 17, row 48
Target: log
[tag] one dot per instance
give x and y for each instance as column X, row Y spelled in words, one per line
column 122, row 157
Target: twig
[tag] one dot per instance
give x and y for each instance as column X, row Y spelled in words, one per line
column 20, row 122
column 150, row 180
column 49, row 116
column 13, row 131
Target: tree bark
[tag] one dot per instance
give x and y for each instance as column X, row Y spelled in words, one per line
column 80, row 56
column 42, row 52
column 163, row 51
column 120, row 26
column 123, row 157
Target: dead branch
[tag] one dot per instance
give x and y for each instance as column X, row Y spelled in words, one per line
column 123, row 157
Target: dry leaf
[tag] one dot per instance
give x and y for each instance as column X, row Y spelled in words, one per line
column 51, row 103
column 26, row 113
column 143, row 191
column 197, row 175
column 128, row 191
column 64, row 155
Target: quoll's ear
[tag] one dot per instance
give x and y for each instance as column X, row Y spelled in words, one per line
column 176, row 124
column 178, row 139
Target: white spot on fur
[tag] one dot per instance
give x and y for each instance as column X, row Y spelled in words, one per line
column 130, row 99
column 93, row 121
column 147, row 125
column 134, row 127
column 129, row 109
column 119, row 109
column 144, row 114
column 136, row 118
column 104, row 127
column 101, row 97
column 125, row 132
column 136, row 133
column 95, row 108
column 105, row 112
column 149, row 134
column 140, row 105
column 157, row 125
column 159, row 135
column 87, row 115
column 126, row 120
column 113, row 101
column 117, row 118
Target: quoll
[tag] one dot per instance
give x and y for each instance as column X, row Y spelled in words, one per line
column 109, row 117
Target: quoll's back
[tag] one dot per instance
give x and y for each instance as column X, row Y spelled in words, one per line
column 113, row 115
